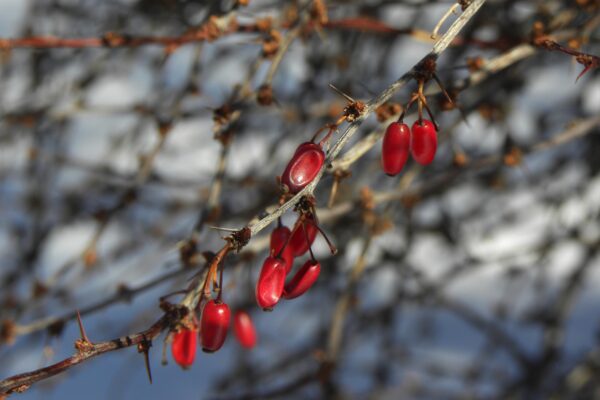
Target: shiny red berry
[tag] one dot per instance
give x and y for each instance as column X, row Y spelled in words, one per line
column 279, row 238
column 423, row 142
column 395, row 149
column 298, row 243
column 303, row 280
column 214, row 325
column 183, row 347
column 244, row 329
column 270, row 283
column 303, row 167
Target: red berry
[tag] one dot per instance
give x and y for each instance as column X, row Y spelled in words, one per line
column 303, row 280
column 214, row 325
column 244, row 329
column 303, row 167
column 183, row 347
column 298, row 243
column 270, row 283
column 279, row 238
column 395, row 149
column 423, row 143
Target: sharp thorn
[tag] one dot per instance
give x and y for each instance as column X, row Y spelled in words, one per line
column 344, row 95
column 82, row 333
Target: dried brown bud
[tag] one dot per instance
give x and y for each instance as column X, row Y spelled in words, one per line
column 264, row 24
column 410, row 200
column 381, row 225
column 7, row 331
column 39, row 290
column 513, row 157
column 460, row 159
column 224, row 136
column 211, row 28
column 223, row 114
column 264, row 95
column 271, row 43
column 319, row 12
column 366, row 198
column 187, row 250
column 112, row 39
column 90, row 257
column 574, row 43
column 387, row 111
column 464, row 4
column 475, row 63
column 538, row 30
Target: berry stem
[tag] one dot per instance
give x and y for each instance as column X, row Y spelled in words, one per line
column 421, row 101
column 220, row 284
column 312, row 256
column 332, row 248
column 437, row 127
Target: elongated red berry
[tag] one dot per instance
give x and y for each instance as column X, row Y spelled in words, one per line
column 395, row 149
column 270, row 283
column 279, row 238
column 183, row 347
column 244, row 329
column 303, row 167
column 214, row 325
column 303, row 280
column 423, row 142
column 298, row 241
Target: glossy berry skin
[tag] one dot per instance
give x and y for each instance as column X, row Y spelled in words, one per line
column 303, row 280
column 303, row 167
column 279, row 238
column 244, row 329
column 183, row 347
column 298, row 243
column 270, row 283
column 214, row 325
column 423, row 142
column 395, row 149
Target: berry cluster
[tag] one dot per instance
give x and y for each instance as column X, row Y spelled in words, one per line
column 398, row 141
column 214, row 325
column 421, row 139
column 286, row 245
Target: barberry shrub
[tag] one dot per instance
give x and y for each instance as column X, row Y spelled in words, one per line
column 419, row 214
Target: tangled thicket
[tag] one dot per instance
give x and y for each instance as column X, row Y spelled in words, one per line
column 130, row 129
